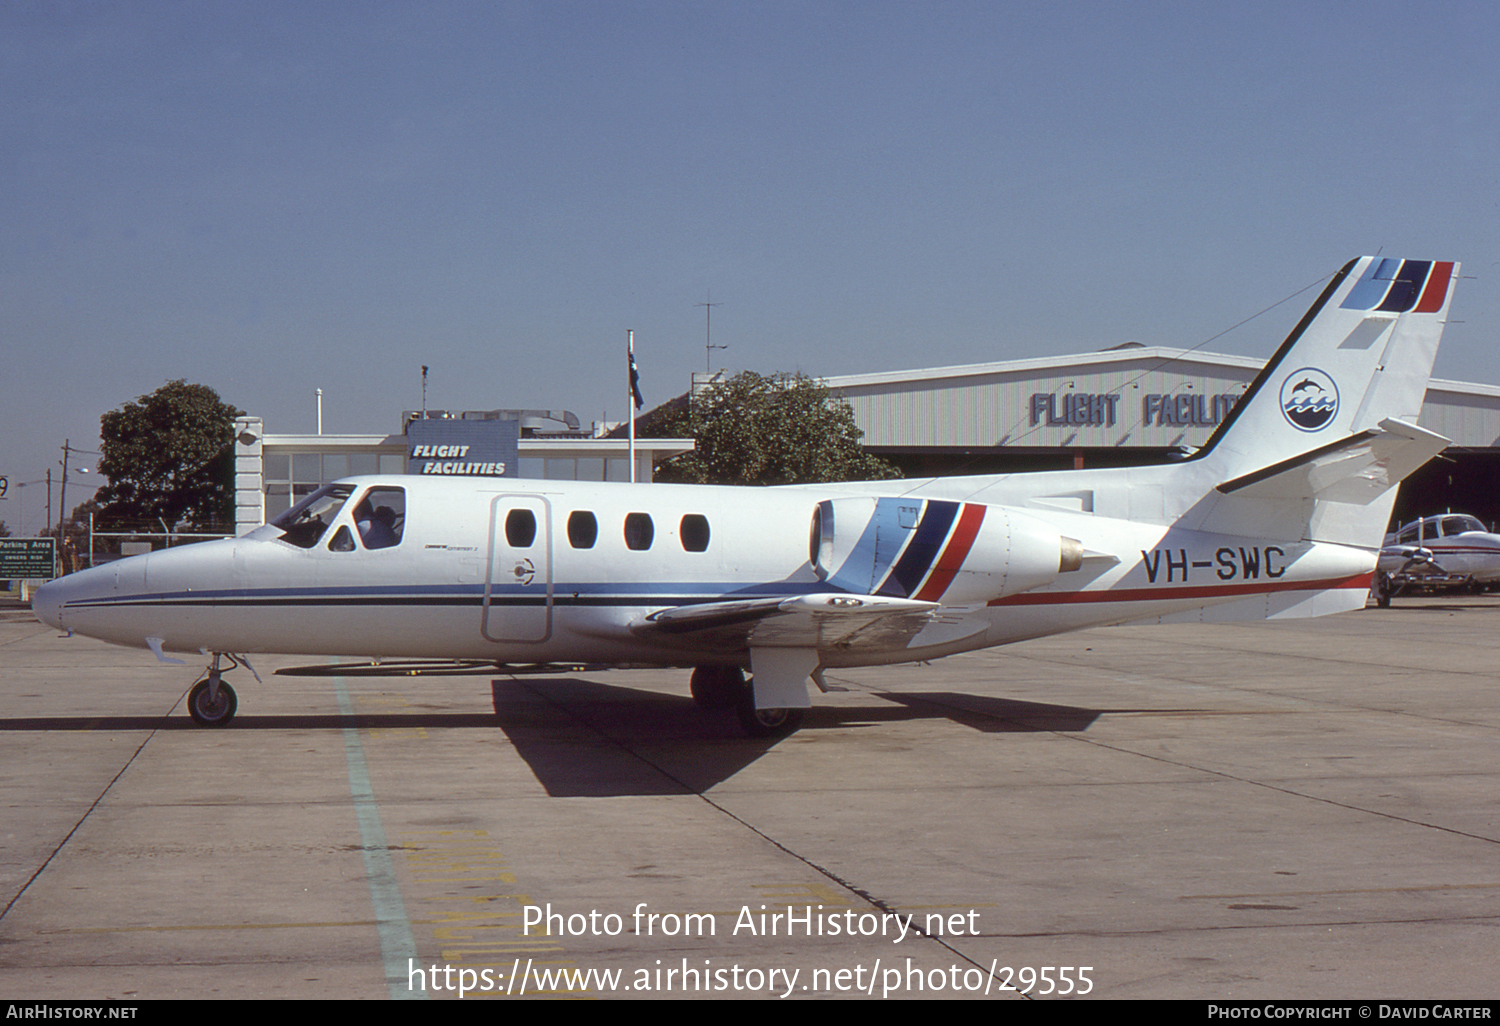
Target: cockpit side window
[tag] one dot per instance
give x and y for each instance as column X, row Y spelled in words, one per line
column 306, row 522
column 380, row 517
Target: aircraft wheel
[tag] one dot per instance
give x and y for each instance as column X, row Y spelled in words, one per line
column 1382, row 592
column 718, row 687
column 207, row 713
column 767, row 722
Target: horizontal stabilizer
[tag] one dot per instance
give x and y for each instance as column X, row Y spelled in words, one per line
column 1357, row 469
column 820, row 621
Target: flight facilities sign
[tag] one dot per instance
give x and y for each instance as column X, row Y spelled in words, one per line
column 463, row 448
column 1083, row 409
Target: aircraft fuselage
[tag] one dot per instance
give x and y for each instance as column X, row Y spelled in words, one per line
column 599, row 559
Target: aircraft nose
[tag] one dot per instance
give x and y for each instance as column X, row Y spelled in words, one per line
column 56, row 603
column 46, row 604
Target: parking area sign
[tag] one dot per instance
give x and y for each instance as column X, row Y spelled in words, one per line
column 26, row 558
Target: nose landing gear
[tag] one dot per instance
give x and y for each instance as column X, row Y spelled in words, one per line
column 211, row 702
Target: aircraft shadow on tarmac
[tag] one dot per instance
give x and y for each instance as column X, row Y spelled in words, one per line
column 582, row 738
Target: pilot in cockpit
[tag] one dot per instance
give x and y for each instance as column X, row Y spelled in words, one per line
column 377, row 526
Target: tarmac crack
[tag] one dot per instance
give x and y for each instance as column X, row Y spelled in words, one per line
column 26, row 637
column 86, row 813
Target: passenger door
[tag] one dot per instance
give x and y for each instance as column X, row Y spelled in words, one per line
column 518, row 583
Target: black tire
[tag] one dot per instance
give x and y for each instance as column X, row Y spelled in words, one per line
column 767, row 722
column 718, row 687
column 211, row 714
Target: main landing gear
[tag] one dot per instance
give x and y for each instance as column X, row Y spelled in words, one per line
column 212, row 702
column 725, row 687
column 1384, row 588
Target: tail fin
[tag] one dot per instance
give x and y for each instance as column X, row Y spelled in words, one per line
column 1361, row 355
column 1329, row 428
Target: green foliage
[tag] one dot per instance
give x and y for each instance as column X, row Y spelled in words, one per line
column 169, row 456
column 754, row 429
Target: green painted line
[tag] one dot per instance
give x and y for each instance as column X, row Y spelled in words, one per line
column 397, row 948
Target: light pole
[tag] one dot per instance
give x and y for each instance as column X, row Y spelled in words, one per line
column 62, row 497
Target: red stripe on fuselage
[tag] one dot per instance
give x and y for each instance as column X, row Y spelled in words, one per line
column 1052, row 598
column 953, row 554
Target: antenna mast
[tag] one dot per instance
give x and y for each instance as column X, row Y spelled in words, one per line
column 708, row 333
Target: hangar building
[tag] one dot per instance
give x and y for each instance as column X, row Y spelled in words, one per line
column 1130, row 405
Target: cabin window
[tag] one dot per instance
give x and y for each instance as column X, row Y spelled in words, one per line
column 520, row 528
column 305, row 523
column 694, row 532
column 583, row 529
column 343, row 540
column 380, row 517
column 639, row 531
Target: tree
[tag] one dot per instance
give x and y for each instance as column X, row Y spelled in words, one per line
column 169, row 457
column 754, row 429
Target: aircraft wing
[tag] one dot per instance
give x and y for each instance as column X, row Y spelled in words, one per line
column 1358, row 469
column 821, row 621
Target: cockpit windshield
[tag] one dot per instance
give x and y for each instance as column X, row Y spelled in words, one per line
column 1460, row 525
column 1436, row 527
column 306, row 522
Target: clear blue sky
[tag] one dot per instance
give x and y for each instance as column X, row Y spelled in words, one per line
column 271, row 197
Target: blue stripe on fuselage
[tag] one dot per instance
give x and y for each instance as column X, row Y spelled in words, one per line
column 564, row 593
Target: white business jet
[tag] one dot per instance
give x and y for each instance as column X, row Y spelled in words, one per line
column 1451, row 550
column 1280, row 514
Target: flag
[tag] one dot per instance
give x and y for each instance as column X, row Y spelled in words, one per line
column 635, row 379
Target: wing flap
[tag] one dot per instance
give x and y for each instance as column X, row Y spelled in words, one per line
column 821, row 621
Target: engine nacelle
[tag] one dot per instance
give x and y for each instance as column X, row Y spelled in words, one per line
column 959, row 553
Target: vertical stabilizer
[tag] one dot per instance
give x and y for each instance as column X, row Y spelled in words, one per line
column 1361, row 355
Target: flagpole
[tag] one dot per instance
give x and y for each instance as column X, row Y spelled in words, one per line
column 630, row 397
